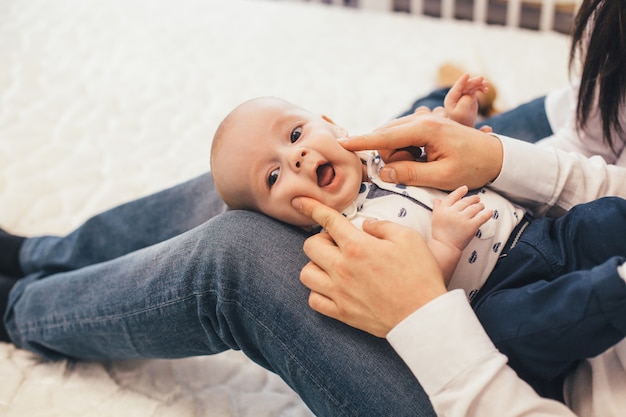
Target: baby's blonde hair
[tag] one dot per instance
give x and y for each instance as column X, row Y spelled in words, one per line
column 219, row 139
column 233, row 199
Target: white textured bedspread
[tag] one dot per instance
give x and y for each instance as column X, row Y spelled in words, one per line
column 104, row 101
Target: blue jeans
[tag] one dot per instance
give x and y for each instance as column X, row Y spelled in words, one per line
column 556, row 297
column 527, row 122
column 164, row 277
column 132, row 283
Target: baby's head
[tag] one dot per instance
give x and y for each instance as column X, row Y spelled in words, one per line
column 267, row 152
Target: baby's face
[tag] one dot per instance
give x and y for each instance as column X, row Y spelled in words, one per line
column 274, row 151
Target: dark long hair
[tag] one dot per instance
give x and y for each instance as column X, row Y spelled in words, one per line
column 599, row 39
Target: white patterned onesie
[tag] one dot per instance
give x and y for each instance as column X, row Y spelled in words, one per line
column 413, row 206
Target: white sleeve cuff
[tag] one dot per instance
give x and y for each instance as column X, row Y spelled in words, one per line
column 529, row 173
column 441, row 340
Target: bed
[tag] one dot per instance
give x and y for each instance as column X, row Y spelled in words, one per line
column 105, row 101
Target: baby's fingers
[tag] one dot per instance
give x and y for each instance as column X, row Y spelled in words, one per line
column 455, row 195
column 473, row 208
column 481, row 217
column 476, row 84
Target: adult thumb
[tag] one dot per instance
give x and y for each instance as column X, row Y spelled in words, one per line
column 422, row 174
column 405, row 172
column 381, row 229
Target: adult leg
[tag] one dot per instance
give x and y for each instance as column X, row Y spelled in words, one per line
column 527, row 122
column 207, row 290
column 126, row 228
column 557, row 297
column 6, row 283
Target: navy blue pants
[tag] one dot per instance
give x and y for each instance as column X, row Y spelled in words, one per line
column 556, row 297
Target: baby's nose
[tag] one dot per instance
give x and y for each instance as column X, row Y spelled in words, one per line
column 298, row 157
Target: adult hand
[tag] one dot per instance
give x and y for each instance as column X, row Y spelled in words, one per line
column 370, row 279
column 456, row 154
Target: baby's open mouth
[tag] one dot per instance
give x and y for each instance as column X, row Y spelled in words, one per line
column 325, row 174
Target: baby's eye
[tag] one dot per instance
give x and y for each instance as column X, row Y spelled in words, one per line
column 295, row 134
column 272, row 178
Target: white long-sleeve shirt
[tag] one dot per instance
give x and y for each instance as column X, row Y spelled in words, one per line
column 459, row 367
column 560, row 108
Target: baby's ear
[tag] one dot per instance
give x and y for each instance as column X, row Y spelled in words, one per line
column 340, row 130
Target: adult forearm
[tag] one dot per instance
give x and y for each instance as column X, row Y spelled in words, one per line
column 551, row 181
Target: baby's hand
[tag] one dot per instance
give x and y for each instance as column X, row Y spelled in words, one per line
column 461, row 103
column 456, row 219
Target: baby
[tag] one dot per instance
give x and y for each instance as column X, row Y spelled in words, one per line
column 524, row 276
column 267, row 152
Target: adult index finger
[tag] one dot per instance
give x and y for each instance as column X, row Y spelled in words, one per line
column 337, row 226
column 405, row 132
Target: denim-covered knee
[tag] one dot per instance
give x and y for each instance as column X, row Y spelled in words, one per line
column 244, row 249
column 246, row 274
